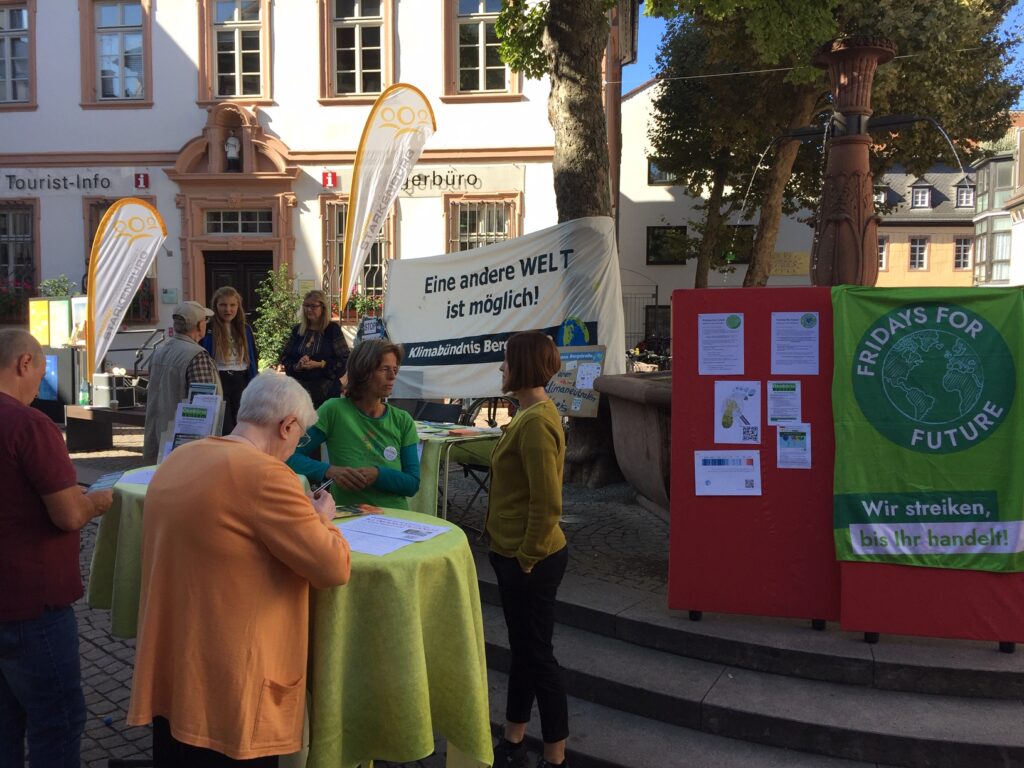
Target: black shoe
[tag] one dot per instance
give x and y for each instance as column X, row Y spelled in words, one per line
column 509, row 755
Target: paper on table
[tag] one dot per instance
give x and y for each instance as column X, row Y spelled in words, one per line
column 395, row 528
column 139, row 476
column 368, row 543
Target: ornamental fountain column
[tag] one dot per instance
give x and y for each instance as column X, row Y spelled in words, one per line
column 845, row 250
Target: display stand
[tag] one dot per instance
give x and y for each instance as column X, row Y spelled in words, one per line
column 772, row 554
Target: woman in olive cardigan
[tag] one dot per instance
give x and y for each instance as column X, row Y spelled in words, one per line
column 528, row 549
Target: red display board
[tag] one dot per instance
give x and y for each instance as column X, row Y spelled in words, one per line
column 773, row 554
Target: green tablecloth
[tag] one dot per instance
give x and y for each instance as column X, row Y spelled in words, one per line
column 396, row 655
column 438, row 451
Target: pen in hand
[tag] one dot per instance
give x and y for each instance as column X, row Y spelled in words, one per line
column 323, row 487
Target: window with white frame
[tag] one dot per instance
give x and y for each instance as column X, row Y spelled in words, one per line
column 357, row 35
column 919, row 253
column 980, row 259
column 883, row 253
column 254, row 222
column 14, row 54
column 965, row 196
column 238, row 56
column 476, row 222
column 962, row 252
column 921, row 197
column 881, row 194
column 480, row 68
column 999, row 261
column 372, row 278
column 120, row 54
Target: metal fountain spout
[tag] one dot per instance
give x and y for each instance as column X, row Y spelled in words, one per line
column 845, row 241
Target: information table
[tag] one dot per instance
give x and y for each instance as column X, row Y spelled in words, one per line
column 437, row 443
column 396, row 655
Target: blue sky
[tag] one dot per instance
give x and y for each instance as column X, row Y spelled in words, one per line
column 651, row 31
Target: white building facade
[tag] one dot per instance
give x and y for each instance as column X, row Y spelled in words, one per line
column 655, row 213
column 102, row 99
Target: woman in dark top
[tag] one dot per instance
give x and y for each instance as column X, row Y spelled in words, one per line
column 230, row 342
column 317, row 352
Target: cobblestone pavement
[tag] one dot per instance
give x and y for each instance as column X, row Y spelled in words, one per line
column 611, row 538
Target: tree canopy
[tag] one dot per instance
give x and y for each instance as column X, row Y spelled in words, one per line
column 951, row 66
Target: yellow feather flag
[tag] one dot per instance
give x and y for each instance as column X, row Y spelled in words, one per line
column 127, row 240
column 399, row 125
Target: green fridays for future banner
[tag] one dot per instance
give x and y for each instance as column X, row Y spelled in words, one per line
column 926, row 398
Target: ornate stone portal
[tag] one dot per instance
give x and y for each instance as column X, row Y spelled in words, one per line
column 845, row 250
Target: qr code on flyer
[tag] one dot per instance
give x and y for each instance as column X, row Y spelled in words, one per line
column 751, row 434
column 748, row 482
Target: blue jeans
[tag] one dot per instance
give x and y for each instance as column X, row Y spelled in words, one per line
column 41, row 691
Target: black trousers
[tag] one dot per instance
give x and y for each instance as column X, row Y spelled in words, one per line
column 168, row 752
column 528, row 600
column 233, row 383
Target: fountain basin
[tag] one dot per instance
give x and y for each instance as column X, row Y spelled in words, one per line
column 641, row 409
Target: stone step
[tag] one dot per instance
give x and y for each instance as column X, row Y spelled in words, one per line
column 603, row 737
column 782, row 646
column 832, row 719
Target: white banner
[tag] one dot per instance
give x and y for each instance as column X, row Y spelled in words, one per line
column 399, row 125
column 127, row 240
column 454, row 313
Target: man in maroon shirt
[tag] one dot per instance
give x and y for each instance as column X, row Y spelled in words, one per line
column 42, row 511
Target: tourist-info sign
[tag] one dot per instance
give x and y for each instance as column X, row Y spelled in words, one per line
column 929, row 438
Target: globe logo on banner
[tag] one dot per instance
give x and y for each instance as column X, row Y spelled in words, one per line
column 574, row 333
column 934, row 378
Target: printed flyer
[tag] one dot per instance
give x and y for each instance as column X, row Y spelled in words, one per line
column 926, row 402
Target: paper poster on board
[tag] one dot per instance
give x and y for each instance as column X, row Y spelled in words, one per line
column 720, row 344
column 737, row 412
column 727, row 473
column 572, row 388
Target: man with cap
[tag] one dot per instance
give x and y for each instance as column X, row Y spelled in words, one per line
column 177, row 363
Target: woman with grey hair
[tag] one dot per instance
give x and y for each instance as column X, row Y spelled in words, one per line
column 371, row 446
column 230, row 547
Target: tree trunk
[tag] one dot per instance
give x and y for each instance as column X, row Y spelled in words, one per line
column 575, row 37
column 778, row 176
column 712, row 228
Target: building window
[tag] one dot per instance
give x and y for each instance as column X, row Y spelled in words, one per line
column 120, row 57
column 143, row 309
column 883, row 254
column 17, row 39
column 921, row 197
column 881, row 195
column 258, row 222
column 234, row 60
column 667, row 245
column 658, row 177
column 962, row 253
column 358, row 27
column 17, row 262
column 919, row 253
column 473, row 222
column 372, row 278
column 473, row 68
column 999, row 261
column 980, row 260
column 965, row 196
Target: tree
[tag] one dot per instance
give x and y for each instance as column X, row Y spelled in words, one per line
column 566, row 40
column 954, row 71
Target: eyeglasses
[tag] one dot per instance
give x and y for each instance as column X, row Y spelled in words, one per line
column 303, row 441
column 303, row 438
column 313, row 306
column 388, row 371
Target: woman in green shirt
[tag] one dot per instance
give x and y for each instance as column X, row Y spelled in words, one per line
column 528, row 549
column 371, row 446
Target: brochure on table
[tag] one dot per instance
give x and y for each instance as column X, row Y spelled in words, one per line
column 381, row 535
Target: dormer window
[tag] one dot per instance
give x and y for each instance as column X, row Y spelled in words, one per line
column 921, row 197
column 881, row 194
column 965, row 196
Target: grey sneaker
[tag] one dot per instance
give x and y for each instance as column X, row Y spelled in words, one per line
column 509, row 755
